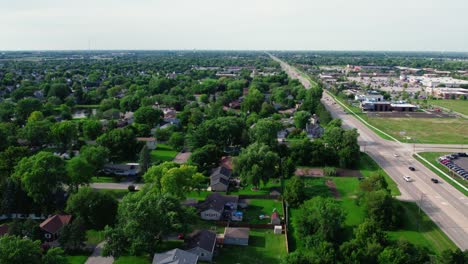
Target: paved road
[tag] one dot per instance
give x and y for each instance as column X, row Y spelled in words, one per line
column 444, row 204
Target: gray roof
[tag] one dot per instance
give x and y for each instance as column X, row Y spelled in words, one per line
column 221, row 170
column 175, row 256
column 215, row 179
column 202, row 238
column 217, row 202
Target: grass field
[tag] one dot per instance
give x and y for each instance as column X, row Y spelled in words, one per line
column 132, row 260
column 163, row 152
column 460, row 106
column 103, row 179
column 264, row 247
column 94, row 236
column 423, row 130
column 262, row 190
column 77, row 259
column 431, row 157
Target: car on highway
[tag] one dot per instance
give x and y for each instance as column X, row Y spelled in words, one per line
column 407, row 178
column 396, row 155
column 411, row 168
column 434, row 180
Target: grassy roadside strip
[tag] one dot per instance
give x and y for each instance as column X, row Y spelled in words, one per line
column 435, row 167
column 373, row 128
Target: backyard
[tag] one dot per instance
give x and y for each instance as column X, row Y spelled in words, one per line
column 257, row 207
column 264, row 247
column 163, row 152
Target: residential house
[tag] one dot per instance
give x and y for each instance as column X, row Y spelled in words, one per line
column 226, row 161
column 202, row 243
column 217, row 206
column 313, row 128
column 219, row 179
column 52, row 226
column 236, row 236
column 175, row 256
column 149, row 141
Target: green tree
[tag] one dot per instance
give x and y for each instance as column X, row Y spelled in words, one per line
column 454, row 257
column 55, row 256
column 96, row 209
column 206, row 158
column 253, row 101
column 144, row 159
column 177, row 140
column 64, row 133
column 15, row 249
column 9, row 158
column 288, row 168
column 301, row 118
column 144, row 220
column 41, row 175
column 36, row 116
column 72, row 236
column 79, row 172
column 383, row 209
column 121, row 143
column 256, row 163
column 91, row 129
column 36, row 133
column 59, row 90
column 321, row 218
column 26, row 106
column 265, row 131
column 294, row 192
column 97, row 156
column 148, row 115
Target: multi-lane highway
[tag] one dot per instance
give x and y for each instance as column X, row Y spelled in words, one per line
column 444, row 204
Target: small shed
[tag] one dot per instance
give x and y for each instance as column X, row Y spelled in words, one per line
column 278, row 230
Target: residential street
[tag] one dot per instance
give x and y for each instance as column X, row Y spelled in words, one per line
column 444, row 204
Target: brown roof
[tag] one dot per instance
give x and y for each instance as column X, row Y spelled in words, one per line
column 236, row 232
column 3, row 229
column 202, row 238
column 54, row 223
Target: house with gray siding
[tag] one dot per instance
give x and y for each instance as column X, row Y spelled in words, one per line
column 202, row 243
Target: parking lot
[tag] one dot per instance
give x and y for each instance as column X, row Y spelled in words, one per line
column 462, row 162
column 457, row 163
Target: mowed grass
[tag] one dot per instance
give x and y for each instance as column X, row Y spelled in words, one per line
column 431, row 157
column 257, row 207
column 264, row 189
column 460, row 106
column 77, row 259
column 163, row 152
column 264, row 248
column 420, row 230
column 424, row 130
column 103, row 179
column 132, row 260
column 417, row 227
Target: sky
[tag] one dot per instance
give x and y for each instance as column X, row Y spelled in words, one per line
column 403, row 25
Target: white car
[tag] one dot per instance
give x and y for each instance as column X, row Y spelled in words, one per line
column 396, row 155
column 407, row 178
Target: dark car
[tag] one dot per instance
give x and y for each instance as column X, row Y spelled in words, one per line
column 434, row 180
column 411, row 168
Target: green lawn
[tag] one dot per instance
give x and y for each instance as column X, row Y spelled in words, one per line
column 132, row 260
column 420, row 230
column 200, row 196
column 103, row 179
column 94, row 236
column 426, row 234
column 460, row 106
column 431, row 157
column 262, row 190
column 264, row 247
column 77, row 259
column 257, row 207
column 424, row 130
column 163, row 152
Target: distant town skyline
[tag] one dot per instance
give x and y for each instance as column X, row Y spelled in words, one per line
column 398, row 25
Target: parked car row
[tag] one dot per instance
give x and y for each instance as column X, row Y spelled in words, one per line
column 447, row 162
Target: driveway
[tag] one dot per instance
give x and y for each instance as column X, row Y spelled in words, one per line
column 96, row 257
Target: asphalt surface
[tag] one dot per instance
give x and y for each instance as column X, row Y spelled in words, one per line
column 445, row 205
